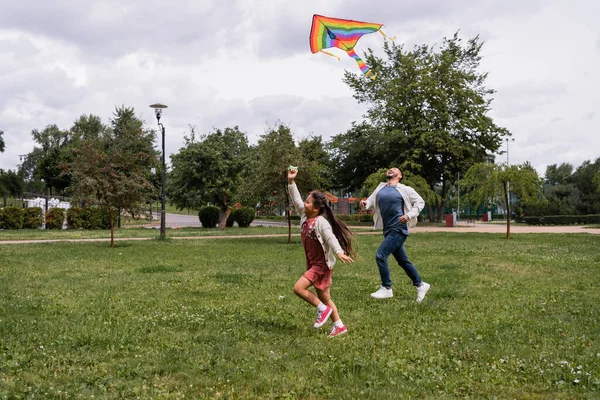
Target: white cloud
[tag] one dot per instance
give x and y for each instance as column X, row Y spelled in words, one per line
column 249, row 64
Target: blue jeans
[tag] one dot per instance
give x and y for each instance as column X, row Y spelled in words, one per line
column 394, row 244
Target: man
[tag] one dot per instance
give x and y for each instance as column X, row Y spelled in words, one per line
column 396, row 207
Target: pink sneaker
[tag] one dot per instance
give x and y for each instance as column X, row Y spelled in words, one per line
column 336, row 331
column 322, row 317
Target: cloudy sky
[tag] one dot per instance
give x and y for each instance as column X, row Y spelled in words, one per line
column 248, row 63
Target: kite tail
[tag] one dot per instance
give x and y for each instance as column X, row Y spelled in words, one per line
column 386, row 36
column 329, row 54
column 361, row 64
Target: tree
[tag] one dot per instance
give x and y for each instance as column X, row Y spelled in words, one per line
column 487, row 181
column 112, row 169
column 317, row 160
column 559, row 191
column 10, row 183
column 265, row 179
column 583, row 179
column 1, row 141
column 208, row 170
column 426, row 107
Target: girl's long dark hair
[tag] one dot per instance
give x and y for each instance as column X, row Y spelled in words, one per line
column 340, row 230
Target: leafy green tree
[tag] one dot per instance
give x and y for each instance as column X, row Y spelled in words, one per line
column 10, row 183
column 208, row 171
column 112, row 170
column 588, row 194
column 428, row 108
column 264, row 181
column 2, row 147
column 488, row 181
column 318, row 161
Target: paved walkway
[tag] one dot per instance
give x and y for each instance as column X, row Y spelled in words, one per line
column 462, row 228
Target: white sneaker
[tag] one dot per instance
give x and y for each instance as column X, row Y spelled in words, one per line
column 422, row 291
column 383, row 293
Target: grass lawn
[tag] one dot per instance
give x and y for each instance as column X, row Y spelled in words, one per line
column 39, row 234
column 218, row 319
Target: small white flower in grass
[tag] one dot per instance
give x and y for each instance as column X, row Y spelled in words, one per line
column 281, row 297
column 576, row 381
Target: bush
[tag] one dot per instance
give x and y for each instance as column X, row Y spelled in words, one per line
column 95, row 218
column 231, row 218
column 244, row 216
column 55, row 217
column 563, row 219
column 33, row 218
column 209, row 216
column 11, row 218
column 75, row 218
column 365, row 218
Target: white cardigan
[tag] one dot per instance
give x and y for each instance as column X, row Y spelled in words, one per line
column 413, row 204
column 331, row 246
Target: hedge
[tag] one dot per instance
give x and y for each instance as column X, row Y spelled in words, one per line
column 33, row 218
column 562, row 219
column 11, row 218
column 55, row 217
column 95, row 218
column 75, row 218
column 209, row 216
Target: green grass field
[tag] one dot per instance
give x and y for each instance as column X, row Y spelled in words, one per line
column 218, row 319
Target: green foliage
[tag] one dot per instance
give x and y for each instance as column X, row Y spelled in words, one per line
column 589, row 195
column 10, row 183
column 2, row 146
column 113, row 170
column 264, row 180
column 11, row 218
column 75, row 218
column 244, row 216
column 428, row 109
column 208, row 170
column 562, row 219
column 33, row 218
column 55, row 218
column 209, row 216
column 95, row 218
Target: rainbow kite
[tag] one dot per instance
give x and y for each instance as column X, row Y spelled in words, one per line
column 341, row 33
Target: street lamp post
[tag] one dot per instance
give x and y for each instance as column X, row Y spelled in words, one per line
column 158, row 112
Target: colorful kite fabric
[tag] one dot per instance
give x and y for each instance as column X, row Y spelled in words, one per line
column 341, row 33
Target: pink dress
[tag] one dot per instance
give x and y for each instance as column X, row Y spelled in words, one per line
column 317, row 270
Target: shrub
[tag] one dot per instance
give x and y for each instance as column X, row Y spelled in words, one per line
column 95, row 218
column 562, row 219
column 209, row 216
column 11, row 218
column 244, row 216
column 33, row 218
column 75, row 218
column 231, row 218
column 55, row 217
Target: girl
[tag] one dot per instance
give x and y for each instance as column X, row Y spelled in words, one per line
column 323, row 237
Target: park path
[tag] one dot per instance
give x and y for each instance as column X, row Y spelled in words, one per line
column 461, row 228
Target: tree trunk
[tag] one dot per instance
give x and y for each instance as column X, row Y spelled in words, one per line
column 430, row 213
column 112, row 227
column 223, row 215
column 507, row 210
